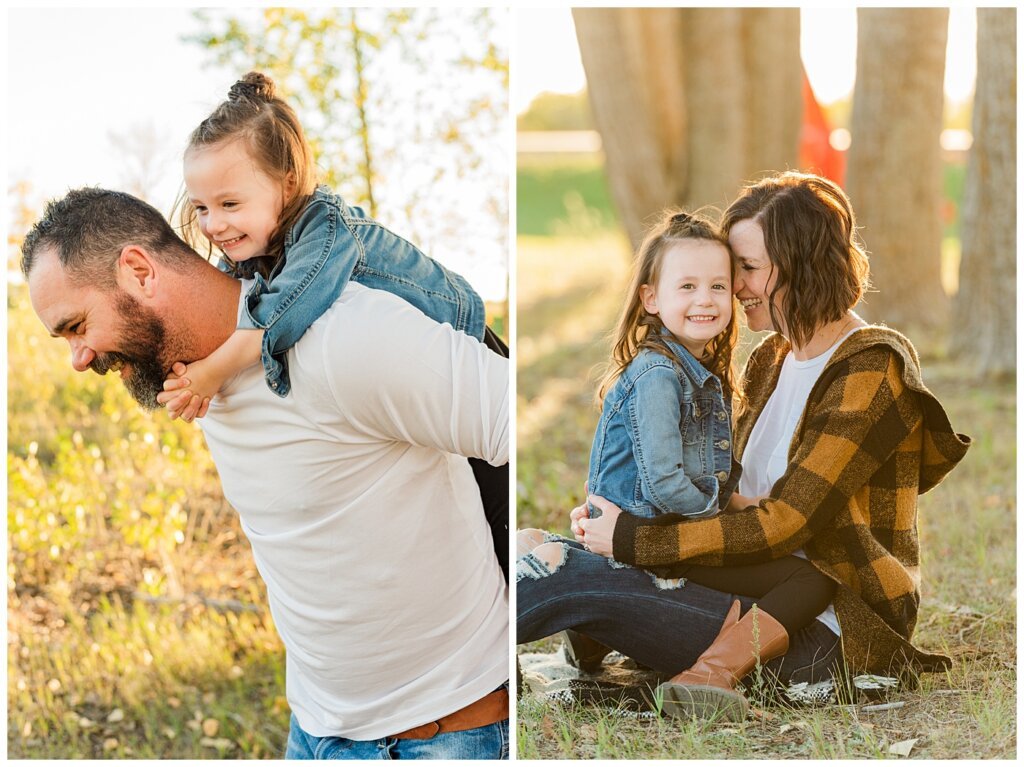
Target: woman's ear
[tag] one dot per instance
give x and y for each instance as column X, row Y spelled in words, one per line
column 649, row 299
column 136, row 272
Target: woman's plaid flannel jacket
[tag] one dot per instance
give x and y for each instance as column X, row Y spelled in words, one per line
column 871, row 439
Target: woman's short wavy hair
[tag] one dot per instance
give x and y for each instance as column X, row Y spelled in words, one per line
column 810, row 234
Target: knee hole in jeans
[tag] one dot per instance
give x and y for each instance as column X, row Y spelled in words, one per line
column 551, row 554
column 527, row 540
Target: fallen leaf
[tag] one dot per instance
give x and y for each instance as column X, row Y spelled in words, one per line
column 169, row 733
column 210, row 727
column 85, row 722
column 53, row 685
column 903, row 748
column 115, row 716
column 785, row 728
column 547, row 727
column 209, row 698
column 173, row 702
column 110, row 744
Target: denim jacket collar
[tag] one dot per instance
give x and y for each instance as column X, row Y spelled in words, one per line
column 693, row 369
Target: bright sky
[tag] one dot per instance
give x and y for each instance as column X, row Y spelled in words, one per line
column 828, row 45
column 82, row 82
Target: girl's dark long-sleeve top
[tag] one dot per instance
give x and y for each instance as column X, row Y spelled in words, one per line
column 871, row 439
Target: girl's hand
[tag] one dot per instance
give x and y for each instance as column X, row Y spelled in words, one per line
column 577, row 514
column 597, row 533
column 580, row 512
column 178, row 397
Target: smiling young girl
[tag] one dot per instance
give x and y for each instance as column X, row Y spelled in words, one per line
column 251, row 193
column 663, row 446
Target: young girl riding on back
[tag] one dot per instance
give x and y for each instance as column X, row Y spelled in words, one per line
column 251, row 192
column 663, row 443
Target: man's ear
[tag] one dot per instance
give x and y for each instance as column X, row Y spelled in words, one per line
column 649, row 299
column 137, row 272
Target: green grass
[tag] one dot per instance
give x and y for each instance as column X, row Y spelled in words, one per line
column 562, row 195
column 570, row 289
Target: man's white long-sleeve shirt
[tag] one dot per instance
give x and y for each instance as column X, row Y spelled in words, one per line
column 364, row 517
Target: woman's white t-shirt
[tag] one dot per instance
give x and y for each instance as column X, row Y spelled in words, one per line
column 766, row 455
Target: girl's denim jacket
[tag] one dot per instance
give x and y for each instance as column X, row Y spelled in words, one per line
column 330, row 244
column 663, row 444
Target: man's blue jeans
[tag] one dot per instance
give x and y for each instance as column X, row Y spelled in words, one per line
column 487, row 742
column 663, row 624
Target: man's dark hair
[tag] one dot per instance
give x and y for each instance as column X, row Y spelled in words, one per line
column 89, row 227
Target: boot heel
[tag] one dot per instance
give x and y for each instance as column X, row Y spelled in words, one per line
column 703, row 702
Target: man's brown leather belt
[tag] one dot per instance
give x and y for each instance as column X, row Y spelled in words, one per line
column 491, row 708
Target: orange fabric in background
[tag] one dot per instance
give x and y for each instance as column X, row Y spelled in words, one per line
column 816, row 153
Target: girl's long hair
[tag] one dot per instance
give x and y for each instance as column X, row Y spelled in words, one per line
column 274, row 139
column 636, row 329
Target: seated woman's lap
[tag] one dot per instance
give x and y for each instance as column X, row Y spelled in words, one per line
column 664, row 624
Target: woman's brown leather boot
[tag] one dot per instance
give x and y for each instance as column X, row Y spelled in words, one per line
column 706, row 690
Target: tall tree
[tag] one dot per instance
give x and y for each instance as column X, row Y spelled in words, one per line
column 894, row 170
column 690, row 102
column 984, row 327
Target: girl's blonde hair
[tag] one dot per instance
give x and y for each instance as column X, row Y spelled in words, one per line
column 636, row 329
column 274, row 138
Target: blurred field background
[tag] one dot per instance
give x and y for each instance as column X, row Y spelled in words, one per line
column 137, row 624
column 573, row 263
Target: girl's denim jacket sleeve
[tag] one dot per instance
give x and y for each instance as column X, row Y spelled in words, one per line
column 329, row 245
column 663, row 444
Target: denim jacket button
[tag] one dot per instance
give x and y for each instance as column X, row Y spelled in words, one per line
column 724, row 444
column 722, row 475
column 720, row 415
column 273, row 385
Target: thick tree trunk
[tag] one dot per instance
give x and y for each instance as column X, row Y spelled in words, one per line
column 636, row 99
column 894, row 176
column 984, row 328
column 690, row 102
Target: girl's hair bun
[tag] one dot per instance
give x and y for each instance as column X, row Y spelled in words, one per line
column 255, row 86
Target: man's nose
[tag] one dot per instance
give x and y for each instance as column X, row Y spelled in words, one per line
column 81, row 355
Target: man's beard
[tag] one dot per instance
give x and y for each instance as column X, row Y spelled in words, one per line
column 142, row 348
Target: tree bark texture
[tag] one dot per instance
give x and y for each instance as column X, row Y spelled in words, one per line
column 984, row 327
column 894, row 175
column 690, row 102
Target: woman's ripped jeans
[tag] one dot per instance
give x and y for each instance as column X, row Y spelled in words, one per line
column 662, row 623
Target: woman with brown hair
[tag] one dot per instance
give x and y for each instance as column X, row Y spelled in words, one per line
column 838, row 437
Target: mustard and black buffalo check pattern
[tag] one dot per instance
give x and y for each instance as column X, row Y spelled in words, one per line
column 871, row 438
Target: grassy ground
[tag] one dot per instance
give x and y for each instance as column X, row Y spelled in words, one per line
column 137, row 624
column 569, row 292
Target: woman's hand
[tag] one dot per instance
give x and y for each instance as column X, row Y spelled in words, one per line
column 597, row 533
